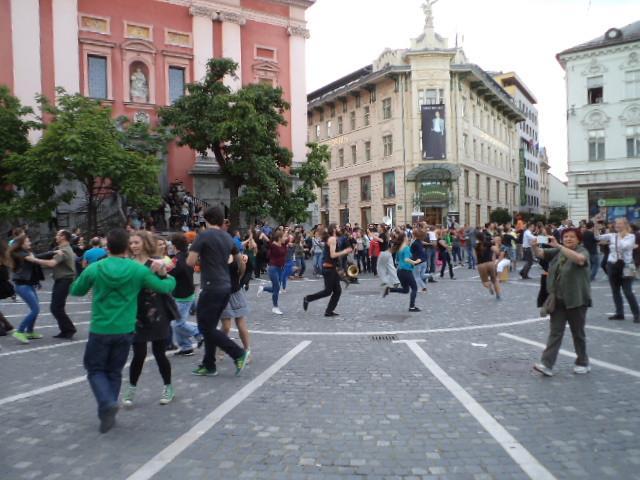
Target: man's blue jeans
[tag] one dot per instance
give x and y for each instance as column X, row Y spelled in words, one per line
column 275, row 273
column 183, row 330
column 104, row 359
column 595, row 265
column 431, row 259
column 471, row 257
column 30, row 296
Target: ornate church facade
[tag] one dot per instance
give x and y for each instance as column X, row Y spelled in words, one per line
column 137, row 56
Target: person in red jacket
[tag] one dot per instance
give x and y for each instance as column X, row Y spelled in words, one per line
column 374, row 252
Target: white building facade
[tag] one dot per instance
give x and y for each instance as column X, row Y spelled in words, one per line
column 603, row 124
column 529, row 148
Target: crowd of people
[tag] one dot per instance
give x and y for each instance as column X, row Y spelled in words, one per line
column 143, row 288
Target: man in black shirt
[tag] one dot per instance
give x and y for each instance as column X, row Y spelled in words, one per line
column 213, row 248
column 591, row 244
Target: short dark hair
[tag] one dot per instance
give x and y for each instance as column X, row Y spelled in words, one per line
column 117, row 241
column 66, row 234
column 180, row 242
column 575, row 231
column 214, row 216
column 590, row 224
column 95, row 242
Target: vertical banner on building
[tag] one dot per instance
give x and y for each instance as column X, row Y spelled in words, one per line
column 434, row 135
column 523, row 179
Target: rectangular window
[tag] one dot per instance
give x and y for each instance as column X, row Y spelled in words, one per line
column 389, row 184
column 352, row 120
column 475, row 150
column 497, row 190
column 596, row 145
column 322, row 115
column 386, row 109
column 478, row 216
column 466, row 183
column 467, row 213
column 358, row 101
column 633, row 142
column 372, row 95
column 176, row 83
column 354, row 154
column 431, row 97
column 340, row 127
column 333, row 111
column 632, row 81
column 595, row 91
column 365, row 189
column 317, row 132
column 344, row 192
column 478, row 187
column 344, row 216
column 387, row 142
column 97, row 68
column 488, row 189
column 341, row 157
column 329, row 129
column 365, row 216
column 367, row 115
column 367, row 151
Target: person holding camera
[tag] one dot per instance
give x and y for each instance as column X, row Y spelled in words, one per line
column 621, row 268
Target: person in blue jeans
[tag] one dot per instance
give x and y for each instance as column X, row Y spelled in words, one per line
column 470, row 245
column 277, row 261
column 418, row 253
column 184, row 295
column 115, row 282
column 26, row 278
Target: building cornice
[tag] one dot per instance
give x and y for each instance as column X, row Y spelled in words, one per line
column 219, row 11
column 563, row 58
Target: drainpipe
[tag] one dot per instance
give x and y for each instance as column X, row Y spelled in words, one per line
column 404, row 150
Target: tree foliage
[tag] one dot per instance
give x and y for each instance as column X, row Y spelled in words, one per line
column 558, row 215
column 500, row 216
column 241, row 130
column 14, row 139
column 83, row 146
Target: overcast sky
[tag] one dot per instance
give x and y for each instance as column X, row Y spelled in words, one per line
column 499, row 35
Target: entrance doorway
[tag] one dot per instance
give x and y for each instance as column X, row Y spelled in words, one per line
column 433, row 215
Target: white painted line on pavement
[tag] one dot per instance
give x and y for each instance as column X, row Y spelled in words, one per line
column 56, row 326
column 166, row 456
column 612, row 330
column 37, row 349
column 401, row 332
column 527, row 462
column 52, row 387
column 8, row 304
column 566, row 353
column 22, row 315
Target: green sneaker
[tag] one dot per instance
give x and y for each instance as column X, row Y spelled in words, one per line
column 203, row 371
column 129, row 395
column 167, row 395
column 21, row 337
column 242, row 362
column 34, row 336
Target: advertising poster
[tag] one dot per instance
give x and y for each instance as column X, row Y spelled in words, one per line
column 434, row 135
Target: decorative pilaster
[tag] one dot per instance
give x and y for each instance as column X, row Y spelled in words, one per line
column 232, row 17
column 200, row 11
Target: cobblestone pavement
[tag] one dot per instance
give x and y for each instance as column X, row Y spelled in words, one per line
column 462, row 403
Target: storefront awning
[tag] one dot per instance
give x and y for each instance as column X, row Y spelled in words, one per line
column 434, row 171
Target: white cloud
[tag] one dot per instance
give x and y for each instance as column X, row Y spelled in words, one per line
column 519, row 35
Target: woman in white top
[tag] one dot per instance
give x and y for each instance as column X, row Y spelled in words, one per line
column 621, row 269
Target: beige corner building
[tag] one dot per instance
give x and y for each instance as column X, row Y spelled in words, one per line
column 419, row 134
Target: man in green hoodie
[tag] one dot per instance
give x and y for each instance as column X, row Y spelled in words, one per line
column 116, row 282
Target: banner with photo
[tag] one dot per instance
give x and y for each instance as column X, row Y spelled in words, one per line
column 434, row 135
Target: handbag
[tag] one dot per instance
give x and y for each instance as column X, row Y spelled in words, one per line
column 549, row 305
column 629, row 271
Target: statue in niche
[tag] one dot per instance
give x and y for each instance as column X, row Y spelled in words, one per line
column 139, row 87
column 428, row 11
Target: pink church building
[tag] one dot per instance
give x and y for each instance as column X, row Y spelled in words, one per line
column 138, row 55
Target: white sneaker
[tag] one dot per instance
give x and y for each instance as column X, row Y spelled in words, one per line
column 283, row 291
column 581, row 369
column 277, row 311
column 260, row 290
column 543, row 369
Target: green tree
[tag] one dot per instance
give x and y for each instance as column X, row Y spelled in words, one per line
column 500, row 216
column 241, row 130
column 14, row 131
column 82, row 146
column 558, row 215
